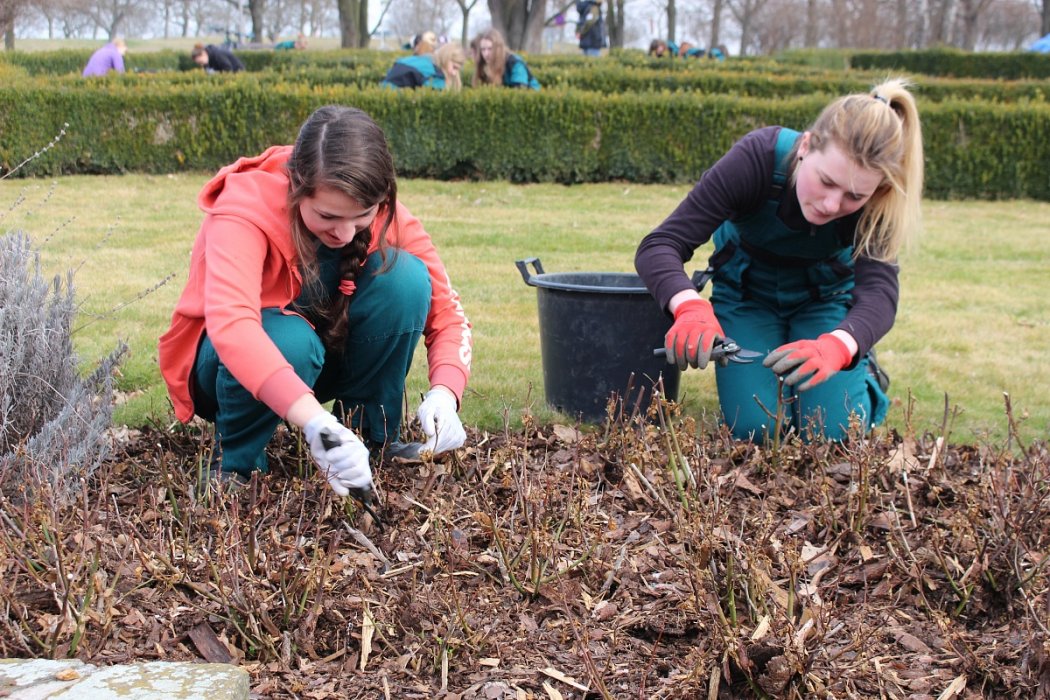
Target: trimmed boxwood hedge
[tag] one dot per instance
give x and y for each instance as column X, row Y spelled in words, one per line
column 974, row 149
column 618, row 73
column 1013, row 65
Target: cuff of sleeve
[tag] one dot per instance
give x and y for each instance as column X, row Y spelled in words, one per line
column 452, row 377
column 282, row 389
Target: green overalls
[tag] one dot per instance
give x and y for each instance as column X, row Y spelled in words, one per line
column 774, row 285
column 367, row 380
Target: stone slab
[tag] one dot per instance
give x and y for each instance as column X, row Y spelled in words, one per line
column 45, row 679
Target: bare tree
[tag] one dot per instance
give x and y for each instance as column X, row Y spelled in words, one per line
column 839, row 29
column 970, row 12
column 812, row 39
column 745, row 12
column 277, row 18
column 353, row 23
column 1042, row 8
column 779, row 26
column 715, row 38
column 615, row 24
column 902, row 24
column 110, row 16
column 942, row 14
column 10, row 10
column 1012, row 26
column 410, row 17
column 520, row 21
column 465, row 8
column 257, row 10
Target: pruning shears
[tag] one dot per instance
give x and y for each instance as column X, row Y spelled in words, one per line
column 725, row 350
column 365, row 496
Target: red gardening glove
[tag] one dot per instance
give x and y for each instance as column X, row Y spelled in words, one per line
column 695, row 329
column 812, row 360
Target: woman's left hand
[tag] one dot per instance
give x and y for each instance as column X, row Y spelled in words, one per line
column 814, row 361
column 437, row 414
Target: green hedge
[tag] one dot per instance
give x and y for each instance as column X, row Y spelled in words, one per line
column 974, row 149
column 1015, row 65
column 607, row 75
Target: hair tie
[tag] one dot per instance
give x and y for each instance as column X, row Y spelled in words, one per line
column 347, row 287
column 881, row 99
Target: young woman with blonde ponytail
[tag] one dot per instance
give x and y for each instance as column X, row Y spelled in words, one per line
column 807, row 228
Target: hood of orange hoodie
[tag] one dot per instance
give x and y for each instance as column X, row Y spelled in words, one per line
column 255, row 189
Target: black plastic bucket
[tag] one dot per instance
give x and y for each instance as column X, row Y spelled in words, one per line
column 597, row 334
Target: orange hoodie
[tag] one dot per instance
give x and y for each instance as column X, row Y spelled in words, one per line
column 243, row 261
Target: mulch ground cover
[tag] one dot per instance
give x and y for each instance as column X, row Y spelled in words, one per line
column 640, row 559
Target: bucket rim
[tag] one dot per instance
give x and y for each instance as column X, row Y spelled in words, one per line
column 540, row 281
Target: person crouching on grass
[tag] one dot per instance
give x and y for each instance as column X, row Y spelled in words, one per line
column 439, row 70
column 806, row 228
column 310, row 282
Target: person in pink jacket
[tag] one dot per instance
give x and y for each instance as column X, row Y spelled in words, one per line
column 309, row 282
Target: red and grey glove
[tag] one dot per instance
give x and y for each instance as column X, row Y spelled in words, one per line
column 814, row 361
column 695, row 330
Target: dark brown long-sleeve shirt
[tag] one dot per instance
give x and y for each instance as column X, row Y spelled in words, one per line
column 737, row 185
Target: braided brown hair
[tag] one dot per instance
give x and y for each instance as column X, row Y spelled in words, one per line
column 343, row 149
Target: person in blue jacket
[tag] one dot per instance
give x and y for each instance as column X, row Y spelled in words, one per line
column 590, row 30
column 439, row 70
column 806, row 228
column 494, row 64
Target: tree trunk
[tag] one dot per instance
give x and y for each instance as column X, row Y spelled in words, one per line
column 812, row 24
column 941, row 13
column 8, row 14
column 970, row 12
column 520, row 22
column 615, row 23
column 672, row 19
column 716, row 24
column 257, row 10
column 1046, row 19
column 364, row 36
column 901, row 39
column 353, row 23
column 465, row 8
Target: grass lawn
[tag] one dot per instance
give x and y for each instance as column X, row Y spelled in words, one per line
column 973, row 322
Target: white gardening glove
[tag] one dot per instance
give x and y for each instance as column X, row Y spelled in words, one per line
column 441, row 424
column 345, row 465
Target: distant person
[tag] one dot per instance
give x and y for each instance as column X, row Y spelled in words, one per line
column 215, row 59
column 590, row 29
column 439, row 70
column 494, row 64
column 659, row 48
column 806, row 229
column 687, row 50
column 424, row 43
column 107, row 58
column 298, row 44
column 421, row 43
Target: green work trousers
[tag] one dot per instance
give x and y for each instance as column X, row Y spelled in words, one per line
column 748, row 393
column 367, row 380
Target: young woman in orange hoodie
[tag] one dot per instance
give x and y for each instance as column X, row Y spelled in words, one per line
column 309, row 282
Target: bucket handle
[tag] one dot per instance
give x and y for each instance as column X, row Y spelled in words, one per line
column 523, row 268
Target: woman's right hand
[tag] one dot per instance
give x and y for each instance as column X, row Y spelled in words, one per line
column 339, row 453
column 689, row 341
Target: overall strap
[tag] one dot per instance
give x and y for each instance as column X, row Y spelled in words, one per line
column 781, row 165
column 781, row 168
